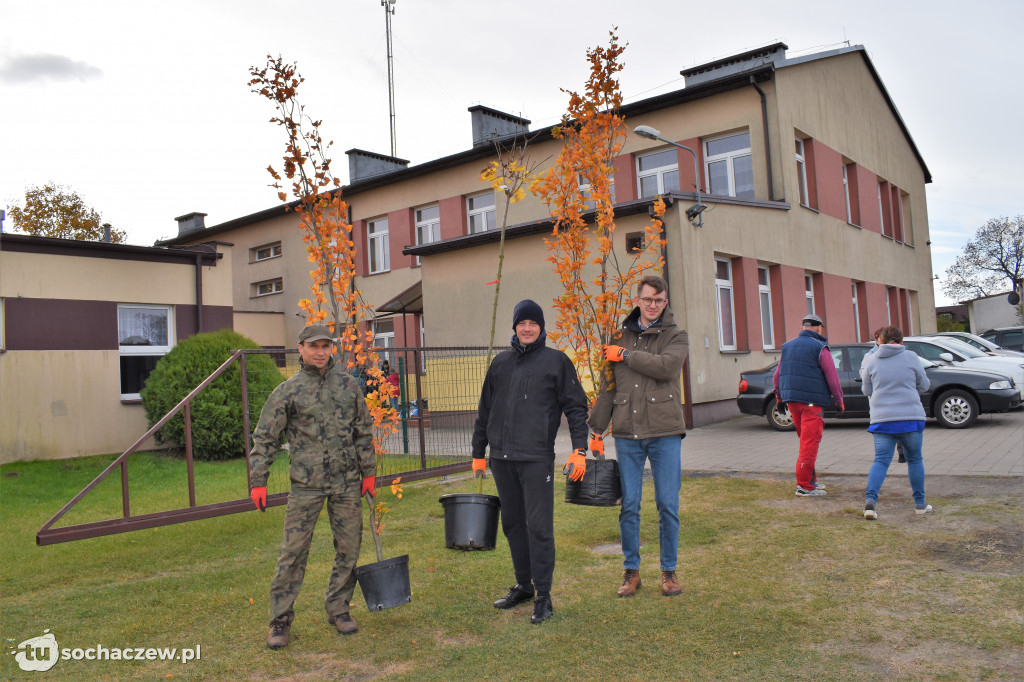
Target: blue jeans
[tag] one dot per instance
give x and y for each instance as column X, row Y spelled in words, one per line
column 885, row 444
column 666, row 469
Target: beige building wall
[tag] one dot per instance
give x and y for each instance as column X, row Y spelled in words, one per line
column 58, row 404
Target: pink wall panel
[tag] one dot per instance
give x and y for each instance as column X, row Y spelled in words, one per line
column 453, row 217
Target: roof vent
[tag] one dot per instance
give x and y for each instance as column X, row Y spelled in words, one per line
column 738, row 63
column 491, row 124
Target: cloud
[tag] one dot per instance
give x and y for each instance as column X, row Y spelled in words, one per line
column 40, row 67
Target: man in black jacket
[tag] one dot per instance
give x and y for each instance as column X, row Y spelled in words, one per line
column 526, row 391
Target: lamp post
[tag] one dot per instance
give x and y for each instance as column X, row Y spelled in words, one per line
column 694, row 212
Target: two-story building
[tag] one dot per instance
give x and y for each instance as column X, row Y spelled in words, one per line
column 815, row 201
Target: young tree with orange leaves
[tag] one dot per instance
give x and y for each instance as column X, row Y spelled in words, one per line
column 579, row 188
column 321, row 409
column 638, row 365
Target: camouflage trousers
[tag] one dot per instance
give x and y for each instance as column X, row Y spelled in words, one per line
column 345, row 514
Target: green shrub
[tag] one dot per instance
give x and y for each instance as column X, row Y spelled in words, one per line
column 217, row 426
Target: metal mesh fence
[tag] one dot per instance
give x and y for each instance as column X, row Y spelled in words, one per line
column 438, row 393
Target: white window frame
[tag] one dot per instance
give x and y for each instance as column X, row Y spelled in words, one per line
column 659, row 173
column 584, row 187
column 846, row 193
column 801, row 173
column 142, row 350
column 272, row 286
column 729, row 158
column 910, row 314
column 881, row 210
column 809, row 292
column 764, row 295
column 856, row 312
column 480, row 214
column 273, row 251
column 427, row 230
column 888, row 308
column 723, row 287
column 378, row 246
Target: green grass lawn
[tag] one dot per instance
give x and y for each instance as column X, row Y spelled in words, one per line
column 774, row 588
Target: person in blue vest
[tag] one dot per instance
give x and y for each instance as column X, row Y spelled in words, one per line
column 805, row 381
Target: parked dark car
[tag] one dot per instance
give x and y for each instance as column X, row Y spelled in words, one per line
column 956, row 397
column 1007, row 337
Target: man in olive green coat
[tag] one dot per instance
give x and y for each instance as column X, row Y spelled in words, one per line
column 643, row 404
column 324, row 418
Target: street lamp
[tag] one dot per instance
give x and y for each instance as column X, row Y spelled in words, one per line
column 694, row 212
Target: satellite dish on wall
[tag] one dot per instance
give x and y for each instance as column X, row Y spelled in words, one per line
column 1013, row 298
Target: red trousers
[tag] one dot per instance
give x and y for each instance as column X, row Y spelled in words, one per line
column 809, row 424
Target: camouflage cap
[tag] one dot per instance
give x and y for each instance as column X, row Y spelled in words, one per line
column 315, row 332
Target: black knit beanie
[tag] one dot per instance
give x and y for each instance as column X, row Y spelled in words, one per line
column 528, row 310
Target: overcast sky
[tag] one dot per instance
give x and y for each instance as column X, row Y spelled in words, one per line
column 144, row 108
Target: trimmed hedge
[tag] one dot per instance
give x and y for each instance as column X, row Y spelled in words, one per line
column 217, row 426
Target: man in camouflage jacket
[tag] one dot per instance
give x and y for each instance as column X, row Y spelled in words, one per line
column 323, row 416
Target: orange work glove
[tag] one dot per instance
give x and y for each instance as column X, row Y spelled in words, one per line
column 615, row 353
column 576, row 466
column 597, row 445
column 369, row 486
column 480, row 467
column 258, row 495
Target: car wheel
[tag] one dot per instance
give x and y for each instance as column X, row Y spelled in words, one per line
column 956, row 409
column 779, row 417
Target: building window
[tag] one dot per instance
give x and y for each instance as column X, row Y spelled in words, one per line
column 271, row 286
column 764, row 293
column 378, row 251
column 144, row 335
column 801, row 172
column 585, row 187
column 657, row 173
column 480, row 210
column 265, row 252
column 3, row 343
column 851, row 193
column 897, row 215
column 906, row 225
column 730, row 166
column 856, row 312
column 888, row 305
column 726, row 314
column 809, row 293
column 428, row 226
column 384, row 337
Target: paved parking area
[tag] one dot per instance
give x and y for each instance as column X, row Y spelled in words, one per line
column 993, row 446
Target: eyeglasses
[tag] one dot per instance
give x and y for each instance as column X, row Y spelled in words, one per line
column 658, row 302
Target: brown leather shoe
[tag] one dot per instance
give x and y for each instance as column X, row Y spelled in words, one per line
column 630, row 582
column 345, row 624
column 278, row 636
column 670, row 586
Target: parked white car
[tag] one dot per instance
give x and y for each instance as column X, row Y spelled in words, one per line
column 984, row 345
column 947, row 351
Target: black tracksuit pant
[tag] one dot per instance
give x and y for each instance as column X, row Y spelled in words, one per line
column 526, row 492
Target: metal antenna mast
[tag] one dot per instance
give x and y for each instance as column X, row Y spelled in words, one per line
column 389, row 9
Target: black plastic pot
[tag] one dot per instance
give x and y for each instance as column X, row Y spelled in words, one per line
column 470, row 521
column 385, row 583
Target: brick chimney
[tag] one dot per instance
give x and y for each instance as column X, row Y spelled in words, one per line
column 491, row 124
column 191, row 222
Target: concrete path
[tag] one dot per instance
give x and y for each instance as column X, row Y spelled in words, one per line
column 993, row 446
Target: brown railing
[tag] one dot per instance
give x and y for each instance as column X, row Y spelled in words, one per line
column 439, row 388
